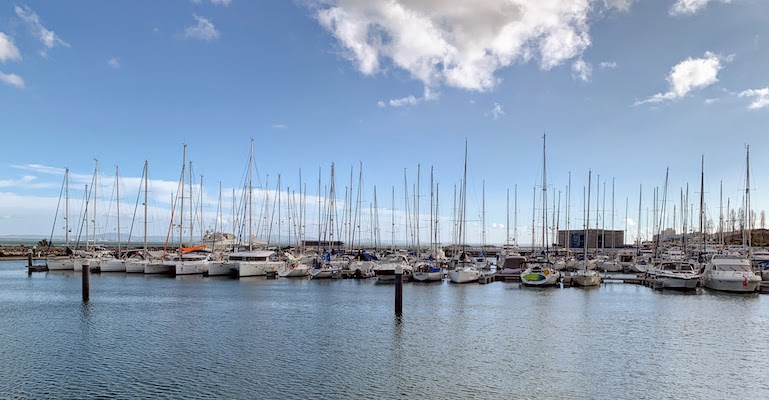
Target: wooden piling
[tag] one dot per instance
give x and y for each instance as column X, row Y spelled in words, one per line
column 29, row 259
column 86, row 283
column 398, row 290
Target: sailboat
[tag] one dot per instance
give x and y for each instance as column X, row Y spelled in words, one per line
column 116, row 264
column 187, row 262
column 541, row 272
column 464, row 270
column 585, row 276
column 66, row 262
column 734, row 272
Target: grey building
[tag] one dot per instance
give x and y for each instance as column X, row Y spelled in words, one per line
column 596, row 239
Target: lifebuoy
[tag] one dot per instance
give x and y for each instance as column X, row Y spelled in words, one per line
column 293, row 265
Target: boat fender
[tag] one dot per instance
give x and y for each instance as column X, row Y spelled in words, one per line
column 546, row 272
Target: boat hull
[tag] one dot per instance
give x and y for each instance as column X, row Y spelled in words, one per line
column 733, row 285
column 67, row 264
column 218, row 268
column 190, row 268
column 135, row 267
column 159, row 268
column 677, row 283
column 428, row 276
column 324, row 273
column 113, row 266
column 585, row 278
column 296, row 271
column 535, row 279
column 465, row 275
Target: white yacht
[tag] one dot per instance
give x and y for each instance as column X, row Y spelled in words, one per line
column 464, row 272
column 385, row 270
column 191, row 264
column 540, row 273
column 428, row 271
column 293, row 267
column 730, row 273
column 681, row 275
column 253, row 263
column 626, row 258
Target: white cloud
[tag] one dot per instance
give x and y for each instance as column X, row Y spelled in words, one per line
column 114, row 63
column 497, row 112
column 760, row 97
column 279, row 126
column 380, row 104
column 12, row 79
column 629, row 222
column 455, row 42
column 404, row 101
column 690, row 74
column 711, row 101
column 607, row 64
column 203, row 30
column 581, row 70
column 619, row 5
column 48, row 38
column 221, row 2
column 8, row 50
column 26, row 181
column 690, row 7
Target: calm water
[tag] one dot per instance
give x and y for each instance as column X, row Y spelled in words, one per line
column 198, row 337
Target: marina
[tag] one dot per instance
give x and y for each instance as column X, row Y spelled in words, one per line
column 203, row 337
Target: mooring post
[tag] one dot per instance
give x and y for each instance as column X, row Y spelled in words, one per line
column 398, row 290
column 29, row 259
column 86, row 284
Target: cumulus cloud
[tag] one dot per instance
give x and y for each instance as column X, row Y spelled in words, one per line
column 203, row 30
column 581, row 70
column 688, row 75
column 12, row 79
column 113, row 63
column 760, row 97
column 455, row 42
column 8, row 50
column 409, row 100
column 690, row 7
column 221, row 2
column 279, row 126
column 711, row 101
column 47, row 37
column 608, row 64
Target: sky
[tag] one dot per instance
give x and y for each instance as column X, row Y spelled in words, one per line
column 625, row 89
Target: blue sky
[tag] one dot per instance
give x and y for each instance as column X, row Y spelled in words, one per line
column 624, row 88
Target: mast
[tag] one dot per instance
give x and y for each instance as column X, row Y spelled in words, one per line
column 612, row 214
column 392, row 222
column 507, row 221
column 117, row 189
column 146, row 179
column 746, row 213
column 463, row 204
column 416, row 208
column 192, row 208
column 721, row 214
column 638, row 223
column 568, row 206
column 95, row 185
column 544, row 199
column 702, row 203
column 587, row 217
column 533, row 216
column 515, row 216
column 251, row 196
column 483, row 217
column 181, row 206
column 66, row 206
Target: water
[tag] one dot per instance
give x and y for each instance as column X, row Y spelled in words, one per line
column 195, row 337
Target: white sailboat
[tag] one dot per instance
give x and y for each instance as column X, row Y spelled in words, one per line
column 116, row 264
column 586, row 275
column 464, row 270
column 136, row 263
column 541, row 273
column 65, row 263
